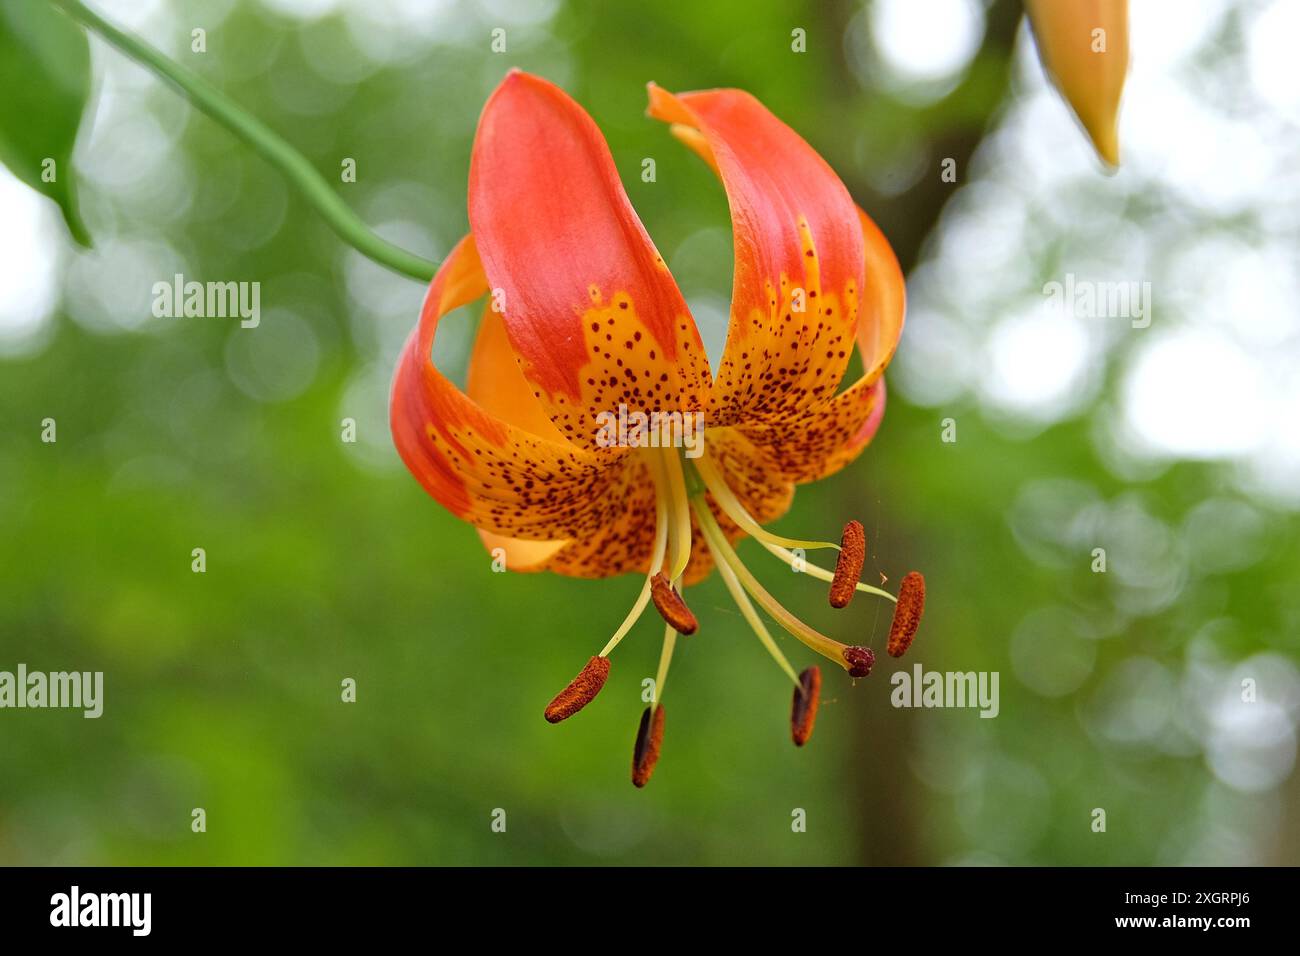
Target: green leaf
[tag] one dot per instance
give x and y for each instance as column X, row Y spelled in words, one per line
column 45, row 79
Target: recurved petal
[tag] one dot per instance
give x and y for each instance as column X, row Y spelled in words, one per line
column 625, row 540
column 824, row 441
column 1084, row 48
column 622, row 544
column 590, row 308
column 799, row 267
column 494, row 474
column 520, row 554
column 818, row 443
column 499, row 387
column 884, row 301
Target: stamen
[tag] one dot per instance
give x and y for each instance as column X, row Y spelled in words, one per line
column 733, row 508
column 650, row 735
column 853, row 551
column 907, row 615
column 861, row 660
column 679, row 510
column 671, row 607
column 665, row 659
column 582, row 690
column 775, row 543
column 830, row 649
column 649, row 738
column 747, row 611
column 656, row 557
column 820, row 573
column 803, row 711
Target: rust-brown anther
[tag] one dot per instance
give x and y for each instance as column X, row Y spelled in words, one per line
column 803, row 712
column 861, row 660
column 670, row 605
column 649, row 738
column 907, row 615
column 582, row 690
column 853, row 551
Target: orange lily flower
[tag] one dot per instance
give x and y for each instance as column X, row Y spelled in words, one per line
column 583, row 320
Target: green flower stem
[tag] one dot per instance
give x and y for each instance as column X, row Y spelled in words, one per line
column 268, row 144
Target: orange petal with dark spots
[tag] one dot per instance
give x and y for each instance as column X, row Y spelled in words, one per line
column 649, row 738
column 589, row 306
column 884, row 302
column 624, row 542
column 499, row 476
column 800, row 268
column 822, row 442
column 500, row 389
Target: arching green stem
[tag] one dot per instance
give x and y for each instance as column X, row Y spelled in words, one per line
column 266, row 142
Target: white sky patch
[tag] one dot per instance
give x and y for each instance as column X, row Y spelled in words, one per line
column 982, row 230
column 1194, row 393
column 925, row 41
column 1251, row 292
column 132, row 15
column 29, row 254
column 1165, row 31
column 936, row 360
column 1271, row 39
column 1037, row 363
column 1235, row 160
column 1251, row 747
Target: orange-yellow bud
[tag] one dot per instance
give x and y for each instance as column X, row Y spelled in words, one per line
column 1084, row 48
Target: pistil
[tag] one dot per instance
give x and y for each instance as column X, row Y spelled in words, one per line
column 732, row 507
column 657, row 555
column 665, row 659
column 747, row 608
column 679, row 510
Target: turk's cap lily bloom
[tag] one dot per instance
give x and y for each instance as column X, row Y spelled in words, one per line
column 583, row 317
column 1084, row 48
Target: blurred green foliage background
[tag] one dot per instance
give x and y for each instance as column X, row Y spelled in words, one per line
column 325, row 560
